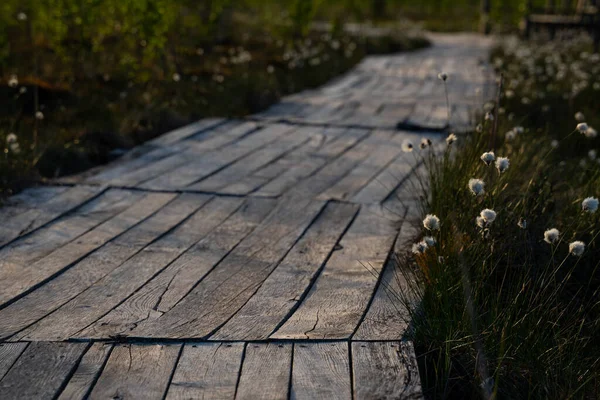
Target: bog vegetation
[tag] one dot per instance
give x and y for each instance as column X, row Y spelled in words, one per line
column 507, row 269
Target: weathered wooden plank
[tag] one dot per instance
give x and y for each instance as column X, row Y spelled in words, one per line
column 45, row 211
column 284, row 288
column 9, row 352
column 207, row 371
column 81, row 275
column 41, row 370
column 121, row 282
column 17, row 273
column 321, row 371
column 252, row 162
column 186, row 131
column 87, row 372
column 384, row 183
column 137, row 372
column 338, row 299
column 385, row 370
column 362, row 174
column 192, row 171
column 174, row 282
column 312, row 162
column 225, row 290
column 266, row 372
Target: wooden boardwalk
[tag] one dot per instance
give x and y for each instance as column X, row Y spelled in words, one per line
column 235, row 258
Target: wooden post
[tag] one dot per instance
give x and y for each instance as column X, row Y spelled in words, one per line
column 484, row 20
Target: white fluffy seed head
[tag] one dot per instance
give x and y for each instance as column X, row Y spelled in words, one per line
column 451, row 139
column 407, row 146
column 477, row 186
column 522, row 223
column 480, row 222
column 519, row 129
column 443, row 76
column 11, row 138
column 511, row 135
column 488, row 215
column 488, row 157
column 554, row 144
column 425, row 143
column 431, row 222
column 590, row 133
column 502, row 164
column 579, row 117
column 551, row 235
column 577, row 248
column 419, row 248
column 590, row 204
column 582, row 127
column 489, row 116
column 430, row 241
column 13, row 81
column 39, row 115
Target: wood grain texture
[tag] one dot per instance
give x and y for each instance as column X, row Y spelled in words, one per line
column 186, row 131
column 87, row 372
column 207, row 371
column 174, row 282
column 195, row 170
column 41, row 207
column 84, row 273
column 284, row 288
column 266, row 371
column 225, row 290
column 9, row 352
column 19, row 271
column 137, row 372
column 41, row 370
column 336, row 302
column 119, row 283
column 385, row 370
column 321, row 371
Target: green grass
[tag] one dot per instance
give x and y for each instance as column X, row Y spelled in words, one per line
column 502, row 313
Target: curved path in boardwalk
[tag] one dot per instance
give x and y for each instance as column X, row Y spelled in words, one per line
column 236, row 258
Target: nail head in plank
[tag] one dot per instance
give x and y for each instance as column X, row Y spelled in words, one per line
column 87, row 372
column 385, row 370
column 284, row 288
column 207, row 371
column 136, row 371
column 41, row 370
column 321, row 371
column 266, row 372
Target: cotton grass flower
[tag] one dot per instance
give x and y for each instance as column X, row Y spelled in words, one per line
column 425, row 143
column 443, row 76
column 590, row 204
column 488, row 157
column 476, row 186
column 522, row 223
column 502, row 164
column 419, row 248
column 510, row 135
column 431, row 222
column 430, row 241
column 407, row 146
column 579, row 117
column 489, row 116
column 577, row 248
column 582, row 127
column 176, row 77
column 451, row 139
column 592, row 154
column 590, row 133
column 554, row 144
column 13, row 81
column 551, row 236
column 39, row 115
column 480, row 222
column 488, row 216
